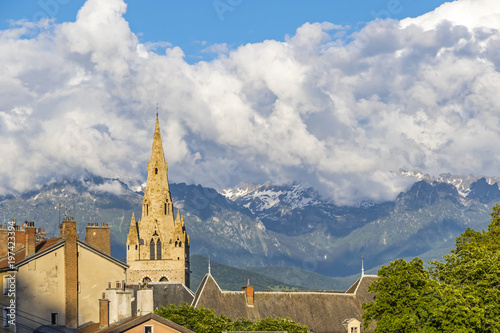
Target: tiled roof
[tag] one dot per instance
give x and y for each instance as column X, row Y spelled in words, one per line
column 132, row 322
column 48, row 245
column 41, row 247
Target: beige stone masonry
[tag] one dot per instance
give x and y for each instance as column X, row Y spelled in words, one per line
column 157, row 244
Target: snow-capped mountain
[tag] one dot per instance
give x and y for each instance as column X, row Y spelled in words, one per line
column 462, row 183
column 291, row 225
column 258, row 198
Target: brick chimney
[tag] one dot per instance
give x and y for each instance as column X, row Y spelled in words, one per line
column 68, row 232
column 30, row 232
column 4, row 251
column 103, row 311
column 99, row 236
column 249, row 294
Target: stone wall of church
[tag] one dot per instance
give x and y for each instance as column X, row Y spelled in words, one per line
column 172, row 270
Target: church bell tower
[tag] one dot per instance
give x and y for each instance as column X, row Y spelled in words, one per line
column 157, row 244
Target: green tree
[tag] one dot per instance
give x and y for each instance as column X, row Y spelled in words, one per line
column 460, row 294
column 405, row 295
column 278, row 324
column 470, row 276
column 202, row 320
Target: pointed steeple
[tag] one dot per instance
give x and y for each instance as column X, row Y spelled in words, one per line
column 157, row 150
column 132, row 237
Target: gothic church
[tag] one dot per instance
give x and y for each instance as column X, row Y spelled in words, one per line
column 157, row 244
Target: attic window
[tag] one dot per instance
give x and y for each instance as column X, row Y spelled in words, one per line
column 6, row 281
column 54, row 318
column 156, row 171
column 6, row 322
column 148, row 329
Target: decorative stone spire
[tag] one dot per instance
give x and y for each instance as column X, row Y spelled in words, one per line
column 132, row 236
column 157, row 193
column 157, row 151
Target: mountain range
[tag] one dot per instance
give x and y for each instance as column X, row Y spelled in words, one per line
column 279, row 229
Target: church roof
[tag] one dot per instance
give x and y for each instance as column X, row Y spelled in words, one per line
column 321, row 311
column 165, row 293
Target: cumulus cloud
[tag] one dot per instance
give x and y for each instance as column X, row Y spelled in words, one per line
column 110, row 186
column 338, row 111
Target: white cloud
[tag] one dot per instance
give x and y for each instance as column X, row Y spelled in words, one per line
column 338, row 113
column 112, row 186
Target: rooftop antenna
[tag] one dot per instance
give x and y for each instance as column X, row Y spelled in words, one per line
column 157, row 107
column 209, row 270
column 59, row 205
column 248, row 281
column 362, row 268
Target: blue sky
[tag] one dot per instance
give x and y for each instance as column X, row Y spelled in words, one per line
column 324, row 95
column 192, row 25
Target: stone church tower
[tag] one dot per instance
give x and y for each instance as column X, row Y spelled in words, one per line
column 157, row 244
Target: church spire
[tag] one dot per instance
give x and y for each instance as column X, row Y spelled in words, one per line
column 157, row 150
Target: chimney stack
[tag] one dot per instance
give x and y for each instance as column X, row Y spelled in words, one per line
column 103, row 311
column 30, row 233
column 99, row 236
column 249, row 294
column 68, row 232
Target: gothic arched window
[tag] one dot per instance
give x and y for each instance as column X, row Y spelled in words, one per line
column 146, row 280
column 152, row 250
column 163, row 279
column 158, row 250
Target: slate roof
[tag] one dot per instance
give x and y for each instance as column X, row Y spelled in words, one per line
column 321, row 311
column 165, row 293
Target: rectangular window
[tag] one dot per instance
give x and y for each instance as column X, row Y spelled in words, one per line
column 6, row 317
column 53, row 319
column 148, row 329
column 5, row 285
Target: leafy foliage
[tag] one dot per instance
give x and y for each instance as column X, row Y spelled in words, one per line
column 461, row 294
column 404, row 294
column 203, row 320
